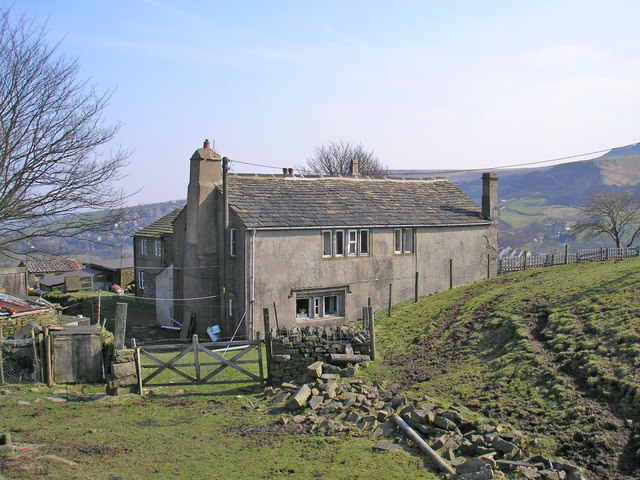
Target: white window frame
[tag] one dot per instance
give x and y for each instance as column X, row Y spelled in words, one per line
column 231, row 307
column 408, row 246
column 317, row 305
column 327, row 242
column 143, row 246
column 157, row 248
column 352, row 252
column 339, row 252
column 140, row 280
column 397, row 240
column 232, row 242
column 367, row 234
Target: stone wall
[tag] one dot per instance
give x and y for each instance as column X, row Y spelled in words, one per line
column 293, row 351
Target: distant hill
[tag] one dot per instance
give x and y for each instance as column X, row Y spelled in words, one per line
column 539, row 204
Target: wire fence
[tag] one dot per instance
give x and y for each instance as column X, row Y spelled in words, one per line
column 19, row 362
column 528, row 261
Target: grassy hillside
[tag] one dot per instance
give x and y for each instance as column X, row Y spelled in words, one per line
column 555, row 353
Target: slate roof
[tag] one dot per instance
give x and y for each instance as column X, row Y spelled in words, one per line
column 52, row 265
column 276, row 201
column 162, row 226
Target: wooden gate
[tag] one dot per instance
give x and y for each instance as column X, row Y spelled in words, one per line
column 218, row 356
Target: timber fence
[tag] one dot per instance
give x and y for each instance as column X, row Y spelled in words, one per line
column 528, row 261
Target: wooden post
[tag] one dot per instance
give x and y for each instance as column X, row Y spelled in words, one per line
column 450, row 273
column 260, row 368
column 566, row 253
column 36, row 364
column 99, row 305
column 372, row 334
column 524, row 264
column 121, row 326
column 488, row 265
column 416, row 292
column 365, row 318
column 47, row 356
column 275, row 313
column 390, row 289
column 1, row 362
column 267, row 343
column 196, row 357
column 136, row 351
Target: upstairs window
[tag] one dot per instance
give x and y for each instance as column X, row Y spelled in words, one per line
column 339, row 243
column 143, row 246
column 327, row 242
column 157, row 248
column 403, row 240
column 353, row 243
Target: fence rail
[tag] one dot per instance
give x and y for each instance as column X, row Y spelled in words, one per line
column 528, row 261
column 200, row 372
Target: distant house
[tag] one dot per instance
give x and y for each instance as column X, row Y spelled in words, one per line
column 40, row 268
column 153, row 261
column 320, row 247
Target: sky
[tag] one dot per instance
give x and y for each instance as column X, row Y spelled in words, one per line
column 423, row 84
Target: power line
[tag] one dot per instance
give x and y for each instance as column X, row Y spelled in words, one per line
column 523, row 164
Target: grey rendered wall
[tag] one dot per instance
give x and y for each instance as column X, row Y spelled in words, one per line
column 288, row 260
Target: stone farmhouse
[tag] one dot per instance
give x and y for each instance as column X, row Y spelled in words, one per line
column 318, row 248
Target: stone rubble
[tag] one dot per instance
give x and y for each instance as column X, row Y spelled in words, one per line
column 329, row 398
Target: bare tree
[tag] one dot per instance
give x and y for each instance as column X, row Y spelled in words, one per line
column 611, row 212
column 54, row 179
column 334, row 158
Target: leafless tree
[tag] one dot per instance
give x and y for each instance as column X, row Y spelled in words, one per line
column 55, row 178
column 334, row 158
column 611, row 212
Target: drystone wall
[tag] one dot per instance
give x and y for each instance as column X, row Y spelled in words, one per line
column 293, row 351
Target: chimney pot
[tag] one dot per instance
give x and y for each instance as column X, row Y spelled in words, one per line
column 207, row 144
column 284, row 171
column 291, row 172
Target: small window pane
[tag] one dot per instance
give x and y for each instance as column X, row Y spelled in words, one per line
column 364, row 242
column 408, row 240
column 353, row 242
column 340, row 243
column 397, row 241
column 232, row 242
column 327, row 244
column 316, row 307
column 302, row 308
column 331, row 305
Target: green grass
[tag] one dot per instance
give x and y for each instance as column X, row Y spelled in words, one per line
column 522, row 213
column 586, row 317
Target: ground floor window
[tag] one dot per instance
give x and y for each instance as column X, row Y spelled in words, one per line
column 320, row 304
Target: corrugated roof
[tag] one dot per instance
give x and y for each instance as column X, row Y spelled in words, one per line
column 276, row 201
column 10, row 305
column 162, row 226
column 52, row 265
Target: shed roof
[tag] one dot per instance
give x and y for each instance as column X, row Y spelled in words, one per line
column 52, row 265
column 162, row 226
column 276, row 201
column 59, row 279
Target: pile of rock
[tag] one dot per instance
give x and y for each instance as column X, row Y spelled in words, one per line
column 123, row 377
column 323, row 398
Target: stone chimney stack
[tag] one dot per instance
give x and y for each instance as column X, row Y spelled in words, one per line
column 490, row 209
column 204, row 175
column 355, row 167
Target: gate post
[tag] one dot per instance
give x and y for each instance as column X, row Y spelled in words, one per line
column 267, row 343
column 196, row 357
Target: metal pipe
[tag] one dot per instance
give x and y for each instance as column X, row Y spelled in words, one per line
column 444, row 466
